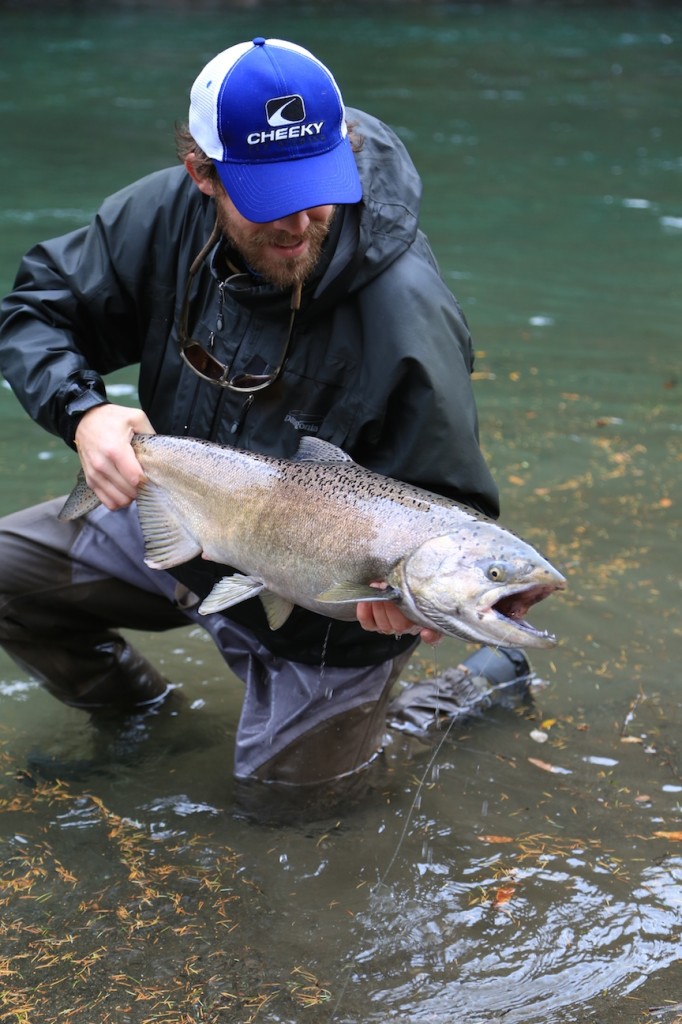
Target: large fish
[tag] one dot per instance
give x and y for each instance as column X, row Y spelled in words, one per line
column 322, row 532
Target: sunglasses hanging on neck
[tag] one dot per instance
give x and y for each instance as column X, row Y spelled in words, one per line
column 202, row 362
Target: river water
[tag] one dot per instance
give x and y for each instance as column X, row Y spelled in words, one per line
column 490, row 877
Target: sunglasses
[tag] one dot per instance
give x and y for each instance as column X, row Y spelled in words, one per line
column 204, row 364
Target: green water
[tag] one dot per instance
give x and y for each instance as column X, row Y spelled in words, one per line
column 550, row 143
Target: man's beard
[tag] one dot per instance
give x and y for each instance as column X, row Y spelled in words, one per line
column 278, row 271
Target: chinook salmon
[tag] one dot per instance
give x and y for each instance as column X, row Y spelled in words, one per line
column 322, row 532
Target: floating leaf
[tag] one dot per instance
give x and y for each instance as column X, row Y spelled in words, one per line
column 496, row 839
column 553, row 768
column 676, row 836
column 503, row 895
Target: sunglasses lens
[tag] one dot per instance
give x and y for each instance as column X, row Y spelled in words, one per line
column 252, row 381
column 203, row 362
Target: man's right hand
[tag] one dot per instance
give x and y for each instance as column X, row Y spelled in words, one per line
column 103, row 438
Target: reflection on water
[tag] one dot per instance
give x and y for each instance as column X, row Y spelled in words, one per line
column 528, row 868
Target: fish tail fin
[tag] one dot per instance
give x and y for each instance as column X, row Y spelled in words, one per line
column 81, row 500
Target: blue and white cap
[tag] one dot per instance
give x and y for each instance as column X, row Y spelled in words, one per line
column 271, row 117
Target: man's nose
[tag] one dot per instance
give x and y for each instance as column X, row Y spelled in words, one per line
column 294, row 224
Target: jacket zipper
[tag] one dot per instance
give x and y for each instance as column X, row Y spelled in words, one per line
column 237, row 424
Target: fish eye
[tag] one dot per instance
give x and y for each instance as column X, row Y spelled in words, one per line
column 496, row 572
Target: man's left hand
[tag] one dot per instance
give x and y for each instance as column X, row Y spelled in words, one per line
column 386, row 617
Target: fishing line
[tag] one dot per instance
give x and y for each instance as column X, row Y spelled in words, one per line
column 403, row 835
column 500, row 687
column 413, row 805
column 420, row 786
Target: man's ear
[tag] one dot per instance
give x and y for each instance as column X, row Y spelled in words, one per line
column 203, row 183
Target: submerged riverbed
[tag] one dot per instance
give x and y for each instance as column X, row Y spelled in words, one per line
column 524, row 868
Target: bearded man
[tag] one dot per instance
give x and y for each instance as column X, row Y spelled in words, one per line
column 275, row 285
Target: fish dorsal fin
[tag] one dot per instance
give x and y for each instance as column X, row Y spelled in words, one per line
column 167, row 542
column 277, row 608
column 314, row 449
column 231, row 590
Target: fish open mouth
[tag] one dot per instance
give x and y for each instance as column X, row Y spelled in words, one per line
column 514, row 606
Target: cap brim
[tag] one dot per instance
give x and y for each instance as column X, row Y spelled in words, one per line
column 265, row 192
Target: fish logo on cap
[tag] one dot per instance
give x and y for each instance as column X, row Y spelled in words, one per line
column 284, row 110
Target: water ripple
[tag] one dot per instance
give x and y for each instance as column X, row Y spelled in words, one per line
column 558, row 943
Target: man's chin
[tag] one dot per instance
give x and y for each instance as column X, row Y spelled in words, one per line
column 284, row 272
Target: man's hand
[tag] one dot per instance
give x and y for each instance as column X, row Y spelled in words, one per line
column 103, row 438
column 386, row 617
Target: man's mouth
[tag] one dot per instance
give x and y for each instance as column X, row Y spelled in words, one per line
column 293, row 247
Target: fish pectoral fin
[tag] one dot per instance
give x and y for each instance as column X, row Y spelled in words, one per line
column 167, row 542
column 350, row 592
column 230, row 590
column 277, row 608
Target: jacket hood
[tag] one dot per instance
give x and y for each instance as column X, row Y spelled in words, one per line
column 391, row 196
column 371, row 235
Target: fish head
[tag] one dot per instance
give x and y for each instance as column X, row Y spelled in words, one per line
column 478, row 585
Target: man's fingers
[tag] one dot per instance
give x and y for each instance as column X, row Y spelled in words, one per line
column 386, row 617
column 103, row 440
column 431, row 637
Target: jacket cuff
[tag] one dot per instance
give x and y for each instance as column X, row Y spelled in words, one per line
column 77, row 397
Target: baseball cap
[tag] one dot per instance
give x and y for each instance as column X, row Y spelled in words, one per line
column 271, row 117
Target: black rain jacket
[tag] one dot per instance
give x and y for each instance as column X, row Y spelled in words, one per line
column 379, row 364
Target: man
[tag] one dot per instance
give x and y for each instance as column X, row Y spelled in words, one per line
column 276, row 286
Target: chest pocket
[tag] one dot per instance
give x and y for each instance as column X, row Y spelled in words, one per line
column 309, row 397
